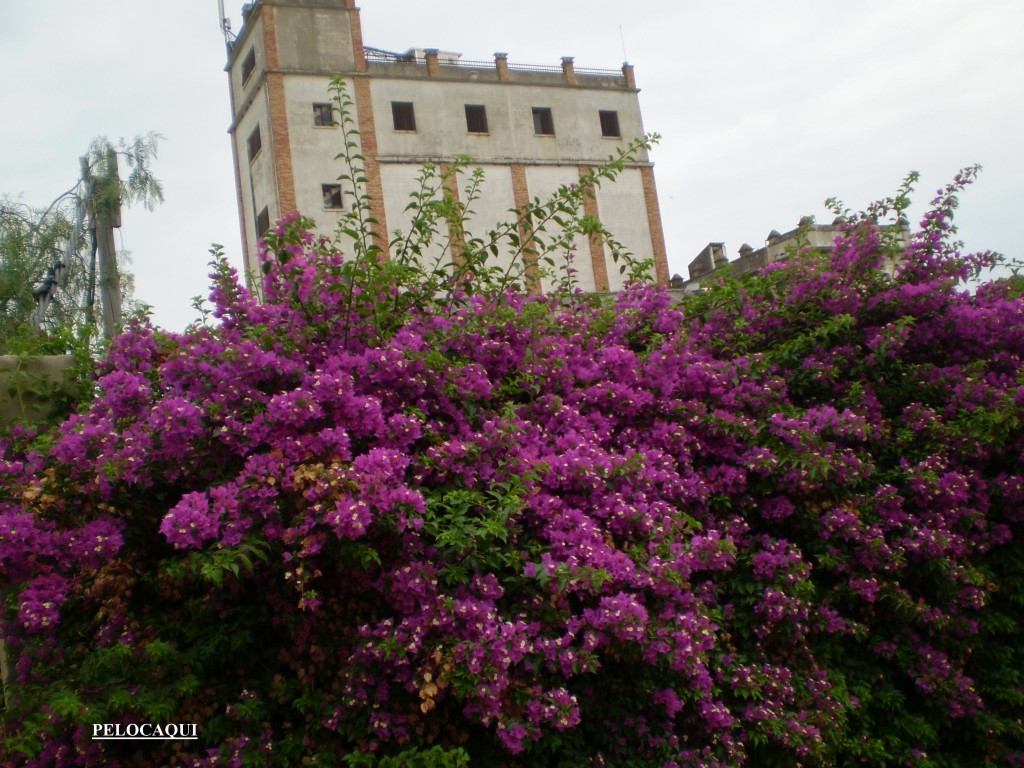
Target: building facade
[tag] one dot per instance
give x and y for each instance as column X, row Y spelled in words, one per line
column 530, row 129
column 808, row 234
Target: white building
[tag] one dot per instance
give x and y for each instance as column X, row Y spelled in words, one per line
column 530, row 128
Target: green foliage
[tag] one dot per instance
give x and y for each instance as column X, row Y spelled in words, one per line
column 42, row 378
column 434, row 757
column 212, row 566
column 100, row 167
column 473, row 527
column 442, row 253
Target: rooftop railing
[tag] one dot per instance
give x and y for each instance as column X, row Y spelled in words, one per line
column 499, row 63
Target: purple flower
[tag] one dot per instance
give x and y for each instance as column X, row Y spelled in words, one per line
column 189, row 524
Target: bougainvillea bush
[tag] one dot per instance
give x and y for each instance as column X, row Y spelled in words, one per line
column 361, row 523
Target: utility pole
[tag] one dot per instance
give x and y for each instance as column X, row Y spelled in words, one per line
column 98, row 197
column 104, row 206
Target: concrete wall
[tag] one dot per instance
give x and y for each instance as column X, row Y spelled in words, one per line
column 400, row 180
column 494, row 207
column 251, row 41
column 314, row 148
column 258, row 176
column 441, row 121
column 627, row 221
column 542, row 182
column 27, row 386
column 314, row 39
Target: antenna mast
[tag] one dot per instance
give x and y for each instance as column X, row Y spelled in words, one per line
column 225, row 25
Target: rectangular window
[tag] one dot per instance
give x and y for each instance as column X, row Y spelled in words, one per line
column 262, row 222
column 404, row 116
column 476, row 118
column 255, row 143
column 610, row 123
column 248, row 65
column 543, row 123
column 332, row 196
column 323, row 115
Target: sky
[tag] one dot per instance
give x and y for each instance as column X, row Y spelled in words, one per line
column 765, row 108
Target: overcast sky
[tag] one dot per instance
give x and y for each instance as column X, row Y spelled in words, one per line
column 765, row 108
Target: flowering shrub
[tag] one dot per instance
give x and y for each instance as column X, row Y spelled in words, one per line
column 365, row 522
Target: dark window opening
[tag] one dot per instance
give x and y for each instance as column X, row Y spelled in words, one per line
column 262, row 222
column 248, row 65
column 610, row 123
column 332, row 196
column 476, row 118
column 543, row 122
column 255, row 143
column 323, row 115
column 404, row 116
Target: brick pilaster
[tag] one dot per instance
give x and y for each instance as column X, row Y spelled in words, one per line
column 627, row 72
column 278, row 114
column 654, row 224
column 569, row 70
column 357, row 36
column 501, row 64
column 270, row 36
column 433, row 66
column 521, row 196
column 456, row 234
column 597, row 257
column 283, row 170
column 371, row 165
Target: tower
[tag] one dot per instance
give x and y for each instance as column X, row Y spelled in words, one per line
column 531, row 128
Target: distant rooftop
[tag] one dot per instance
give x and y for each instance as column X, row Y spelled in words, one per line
column 807, row 234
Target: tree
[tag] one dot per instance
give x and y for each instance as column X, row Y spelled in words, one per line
column 49, row 254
